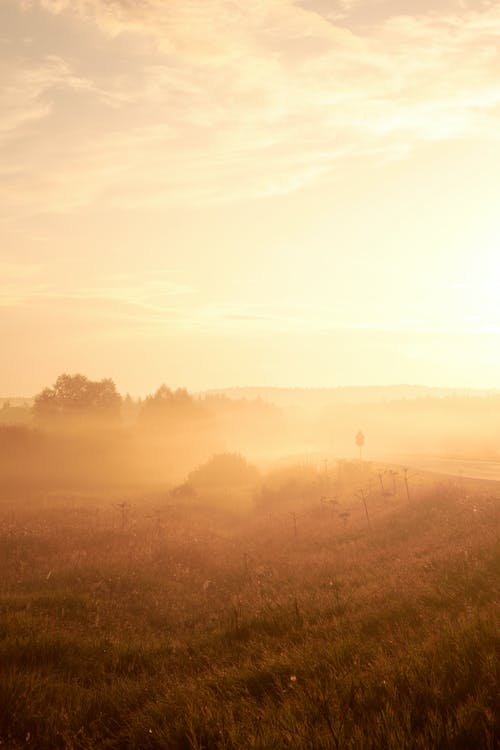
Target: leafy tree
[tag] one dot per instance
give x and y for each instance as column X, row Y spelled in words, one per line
column 78, row 400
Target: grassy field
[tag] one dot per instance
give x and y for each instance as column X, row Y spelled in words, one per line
column 329, row 625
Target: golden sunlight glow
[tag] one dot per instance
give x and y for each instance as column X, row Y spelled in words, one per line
column 249, row 374
column 214, row 193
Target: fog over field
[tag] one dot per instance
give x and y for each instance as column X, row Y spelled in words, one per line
column 249, row 374
column 82, row 433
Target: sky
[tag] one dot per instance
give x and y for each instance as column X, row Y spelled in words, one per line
column 211, row 193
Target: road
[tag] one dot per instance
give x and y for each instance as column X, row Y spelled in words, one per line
column 457, row 467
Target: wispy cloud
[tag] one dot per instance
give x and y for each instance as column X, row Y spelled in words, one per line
column 153, row 292
column 223, row 101
column 24, row 94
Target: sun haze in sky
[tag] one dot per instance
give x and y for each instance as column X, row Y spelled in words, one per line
column 243, row 192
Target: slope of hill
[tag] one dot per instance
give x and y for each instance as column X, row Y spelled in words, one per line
column 361, row 622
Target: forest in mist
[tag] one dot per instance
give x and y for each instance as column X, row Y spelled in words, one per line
column 81, row 433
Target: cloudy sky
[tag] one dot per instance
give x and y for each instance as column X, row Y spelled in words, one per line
column 249, row 192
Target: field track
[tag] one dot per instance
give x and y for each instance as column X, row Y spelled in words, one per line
column 457, row 467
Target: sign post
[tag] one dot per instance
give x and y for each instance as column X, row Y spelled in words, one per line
column 360, row 441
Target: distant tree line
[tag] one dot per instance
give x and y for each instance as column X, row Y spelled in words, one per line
column 78, row 401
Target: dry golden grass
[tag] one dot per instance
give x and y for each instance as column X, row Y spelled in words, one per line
column 142, row 624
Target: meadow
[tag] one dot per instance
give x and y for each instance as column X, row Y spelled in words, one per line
column 324, row 618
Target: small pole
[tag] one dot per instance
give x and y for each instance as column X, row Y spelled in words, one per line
column 326, row 479
column 381, row 483
column 405, row 471
column 363, row 498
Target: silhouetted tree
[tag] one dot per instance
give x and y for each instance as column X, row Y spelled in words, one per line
column 78, row 400
column 166, row 407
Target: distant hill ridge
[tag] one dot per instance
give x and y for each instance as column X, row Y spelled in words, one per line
column 282, row 396
column 345, row 394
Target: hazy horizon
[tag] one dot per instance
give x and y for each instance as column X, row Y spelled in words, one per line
column 416, row 388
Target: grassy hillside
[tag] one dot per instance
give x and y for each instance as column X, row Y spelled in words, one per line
column 149, row 625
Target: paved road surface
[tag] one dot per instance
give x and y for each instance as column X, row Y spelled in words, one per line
column 473, row 469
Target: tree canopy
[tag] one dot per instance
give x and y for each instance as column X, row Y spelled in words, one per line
column 76, row 398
